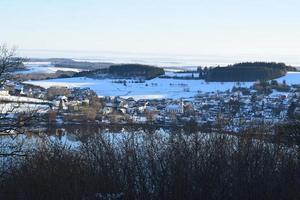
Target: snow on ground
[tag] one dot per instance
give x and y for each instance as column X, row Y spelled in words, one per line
column 61, row 83
column 172, row 70
column 22, row 108
column 36, row 63
column 291, row 78
column 181, row 74
column 153, row 89
column 44, row 67
column 55, row 69
column 21, row 99
column 16, row 104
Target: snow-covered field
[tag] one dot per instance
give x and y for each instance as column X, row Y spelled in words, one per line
column 16, row 104
column 22, row 108
column 21, row 99
column 44, row 67
column 291, row 78
column 153, row 89
column 181, row 74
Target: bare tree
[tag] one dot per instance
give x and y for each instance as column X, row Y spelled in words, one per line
column 13, row 116
column 8, row 62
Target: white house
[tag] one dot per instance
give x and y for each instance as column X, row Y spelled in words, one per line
column 4, row 92
column 174, row 108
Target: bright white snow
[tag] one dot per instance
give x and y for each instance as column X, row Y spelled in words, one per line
column 153, row 89
column 44, row 67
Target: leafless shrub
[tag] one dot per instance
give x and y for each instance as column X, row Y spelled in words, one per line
column 8, row 61
column 156, row 166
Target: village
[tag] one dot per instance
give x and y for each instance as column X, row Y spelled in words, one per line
column 233, row 110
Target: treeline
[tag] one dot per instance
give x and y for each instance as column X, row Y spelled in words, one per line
column 136, row 70
column 273, row 65
column 91, row 73
column 43, row 76
column 126, row 71
column 156, row 166
column 68, row 63
column 248, row 71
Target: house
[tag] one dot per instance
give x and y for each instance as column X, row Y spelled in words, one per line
column 4, row 92
column 139, row 119
column 142, row 108
column 61, row 102
column 111, row 107
column 297, row 112
column 107, row 110
column 73, row 106
column 122, row 110
column 174, row 109
column 19, row 90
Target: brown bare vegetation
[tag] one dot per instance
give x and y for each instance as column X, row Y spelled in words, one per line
column 152, row 166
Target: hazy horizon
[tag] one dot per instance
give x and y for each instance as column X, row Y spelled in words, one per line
column 170, row 60
column 263, row 29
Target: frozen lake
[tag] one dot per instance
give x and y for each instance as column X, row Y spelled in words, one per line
column 152, row 89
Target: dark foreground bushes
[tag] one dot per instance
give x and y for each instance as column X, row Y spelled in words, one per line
column 153, row 166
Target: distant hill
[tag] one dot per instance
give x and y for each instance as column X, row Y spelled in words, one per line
column 70, row 63
column 136, row 70
column 48, row 60
column 125, row 71
column 249, row 71
column 81, row 64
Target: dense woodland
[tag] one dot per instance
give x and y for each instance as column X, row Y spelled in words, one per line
column 136, row 70
column 126, row 71
column 245, row 72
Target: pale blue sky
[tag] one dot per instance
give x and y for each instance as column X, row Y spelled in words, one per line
column 196, row 27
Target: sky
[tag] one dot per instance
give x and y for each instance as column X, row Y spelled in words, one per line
column 266, row 28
